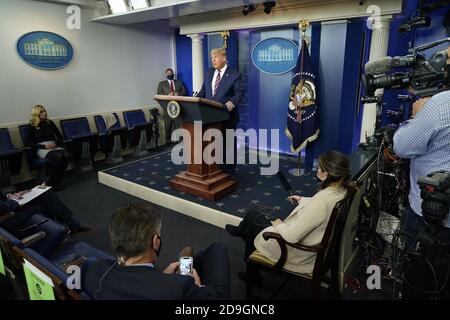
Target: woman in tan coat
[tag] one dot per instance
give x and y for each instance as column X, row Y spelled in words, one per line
column 306, row 223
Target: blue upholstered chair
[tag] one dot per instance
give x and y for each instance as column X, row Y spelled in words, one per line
column 34, row 162
column 42, row 235
column 140, row 131
column 112, row 140
column 39, row 233
column 10, row 159
column 80, row 140
column 57, row 268
column 55, row 233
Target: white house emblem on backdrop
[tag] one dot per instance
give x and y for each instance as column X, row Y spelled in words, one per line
column 275, row 55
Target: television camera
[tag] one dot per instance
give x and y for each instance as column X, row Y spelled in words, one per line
column 155, row 126
column 427, row 264
column 425, row 78
column 423, row 18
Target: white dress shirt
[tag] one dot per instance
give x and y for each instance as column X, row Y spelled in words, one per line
column 222, row 72
column 171, row 81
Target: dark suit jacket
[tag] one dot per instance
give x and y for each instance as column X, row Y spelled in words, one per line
column 7, row 205
column 164, row 88
column 140, row 283
column 22, row 214
column 230, row 89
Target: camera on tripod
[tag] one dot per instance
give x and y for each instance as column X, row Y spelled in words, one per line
column 155, row 127
column 423, row 19
column 426, row 77
column 425, row 266
column 435, row 192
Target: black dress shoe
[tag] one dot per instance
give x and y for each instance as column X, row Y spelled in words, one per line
column 82, row 228
column 56, row 186
column 255, row 278
column 186, row 252
column 233, row 230
column 67, row 239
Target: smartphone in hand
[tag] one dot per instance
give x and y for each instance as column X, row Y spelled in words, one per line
column 186, row 265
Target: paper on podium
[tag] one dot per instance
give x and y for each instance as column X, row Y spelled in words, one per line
column 33, row 193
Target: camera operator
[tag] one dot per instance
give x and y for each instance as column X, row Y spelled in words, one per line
column 425, row 139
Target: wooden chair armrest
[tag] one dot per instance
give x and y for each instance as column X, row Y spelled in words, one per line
column 6, row 216
column 28, row 241
column 300, row 246
column 272, row 235
column 282, row 243
column 314, row 248
column 76, row 262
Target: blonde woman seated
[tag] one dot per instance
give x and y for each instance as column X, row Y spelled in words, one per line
column 46, row 140
column 306, row 223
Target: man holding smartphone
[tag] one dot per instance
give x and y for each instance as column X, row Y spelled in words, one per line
column 135, row 231
column 186, row 265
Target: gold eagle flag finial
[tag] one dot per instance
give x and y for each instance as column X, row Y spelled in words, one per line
column 225, row 34
column 303, row 25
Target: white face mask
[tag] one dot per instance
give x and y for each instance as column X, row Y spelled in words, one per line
column 321, row 175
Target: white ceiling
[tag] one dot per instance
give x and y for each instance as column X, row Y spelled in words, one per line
column 82, row 3
column 168, row 9
column 178, row 11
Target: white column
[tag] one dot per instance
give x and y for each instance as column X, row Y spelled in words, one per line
column 197, row 61
column 378, row 50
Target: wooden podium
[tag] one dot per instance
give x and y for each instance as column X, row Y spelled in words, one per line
column 204, row 180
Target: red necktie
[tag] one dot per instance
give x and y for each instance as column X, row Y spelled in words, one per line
column 172, row 89
column 216, row 84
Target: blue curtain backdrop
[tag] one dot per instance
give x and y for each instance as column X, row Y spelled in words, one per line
column 340, row 51
column 183, row 70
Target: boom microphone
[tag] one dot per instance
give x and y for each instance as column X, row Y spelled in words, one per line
column 285, row 183
column 379, row 66
column 387, row 63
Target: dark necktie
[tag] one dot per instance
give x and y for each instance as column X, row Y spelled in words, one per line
column 216, row 84
column 172, row 89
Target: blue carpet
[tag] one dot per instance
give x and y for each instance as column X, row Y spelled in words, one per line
column 254, row 191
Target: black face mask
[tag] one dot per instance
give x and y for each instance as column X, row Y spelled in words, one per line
column 170, row 77
column 447, row 75
column 160, row 246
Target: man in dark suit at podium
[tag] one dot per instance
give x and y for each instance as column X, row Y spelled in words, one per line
column 223, row 84
column 171, row 87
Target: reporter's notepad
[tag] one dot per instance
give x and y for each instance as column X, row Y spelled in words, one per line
column 34, row 193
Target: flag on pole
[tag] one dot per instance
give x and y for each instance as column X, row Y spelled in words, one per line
column 302, row 116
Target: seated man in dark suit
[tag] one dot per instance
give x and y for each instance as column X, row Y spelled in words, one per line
column 47, row 204
column 171, row 87
column 223, row 84
column 135, row 231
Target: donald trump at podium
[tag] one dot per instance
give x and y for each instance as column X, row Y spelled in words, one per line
column 223, row 84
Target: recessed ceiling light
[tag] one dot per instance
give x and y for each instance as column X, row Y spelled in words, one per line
column 138, row 4
column 117, row 6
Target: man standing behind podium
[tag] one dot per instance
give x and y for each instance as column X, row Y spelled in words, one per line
column 223, row 84
column 171, row 87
